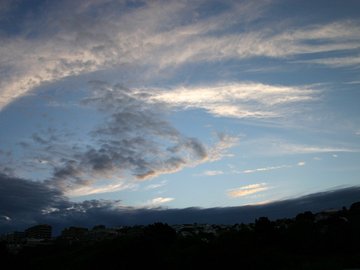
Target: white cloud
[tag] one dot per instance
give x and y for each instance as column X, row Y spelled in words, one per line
column 211, row 173
column 308, row 149
column 269, row 147
column 6, row 218
column 353, row 82
column 239, row 100
column 96, row 189
column 280, row 147
column 247, row 190
column 159, row 200
column 157, row 35
column 214, row 153
column 270, row 168
column 69, row 45
column 335, row 61
column 266, row 169
column 301, row 163
column 156, row 186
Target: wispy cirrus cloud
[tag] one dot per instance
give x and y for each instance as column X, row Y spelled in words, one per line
column 82, row 41
column 155, row 36
column 272, row 168
column 239, row 100
column 157, row 185
column 310, row 149
column 280, row 147
column 158, row 201
column 98, row 188
column 135, row 143
column 247, row 190
column 264, row 169
column 301, row 163
column 335, row 62
column 211, row 173
column 24, row 203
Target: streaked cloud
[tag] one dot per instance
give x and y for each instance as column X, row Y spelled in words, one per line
column 247, row 190
column 157, row 185
column 89, row 189
column 280, row 147
column 159, row 200
column 24, row 203
column 79, row 41
column 239, row 100
column 135, row 143
column 301, row 163
column 308, row 149
column 271, row 168
column 267, row 169
column 211, row 173
column 336, row 62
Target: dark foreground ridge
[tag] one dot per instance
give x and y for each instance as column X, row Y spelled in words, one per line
column 326, row 240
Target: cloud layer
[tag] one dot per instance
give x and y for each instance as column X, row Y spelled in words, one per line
column 136, row 142
column 240, row 100
column 25, row 203
column 247, row 190
column 154, row 35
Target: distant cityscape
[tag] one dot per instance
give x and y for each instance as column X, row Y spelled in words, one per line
column 309, row 241
column 41, row 235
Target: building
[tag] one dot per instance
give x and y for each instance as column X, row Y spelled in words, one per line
column 74, row 233
column 42, row 231
column 16, row 237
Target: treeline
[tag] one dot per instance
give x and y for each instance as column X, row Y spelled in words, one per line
column 323, row 241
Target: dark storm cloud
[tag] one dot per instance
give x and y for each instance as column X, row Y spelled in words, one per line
column 24, row 203
column 47, row 136
column 104, row 212
column 230, row 215
column 19, row 196
column 134, row 140
column 38, row 139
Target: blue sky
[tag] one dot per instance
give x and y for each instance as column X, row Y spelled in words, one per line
column 178, row 104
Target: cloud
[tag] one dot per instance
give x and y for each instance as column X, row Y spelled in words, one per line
column 157, row 35
column 276, row 147
column 264, row 169
column 247, row 190
column 271, row 168
column 25, row 203
column 239, row 100
column 307, row 149
column 301, row 163
column 157, row 185
column 159, row 200
column 97, row 188
column 336, row 62
column 211, row 173
column 93, row 36
column 136, row 142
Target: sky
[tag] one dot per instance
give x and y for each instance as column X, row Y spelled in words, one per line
column 169, row 105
